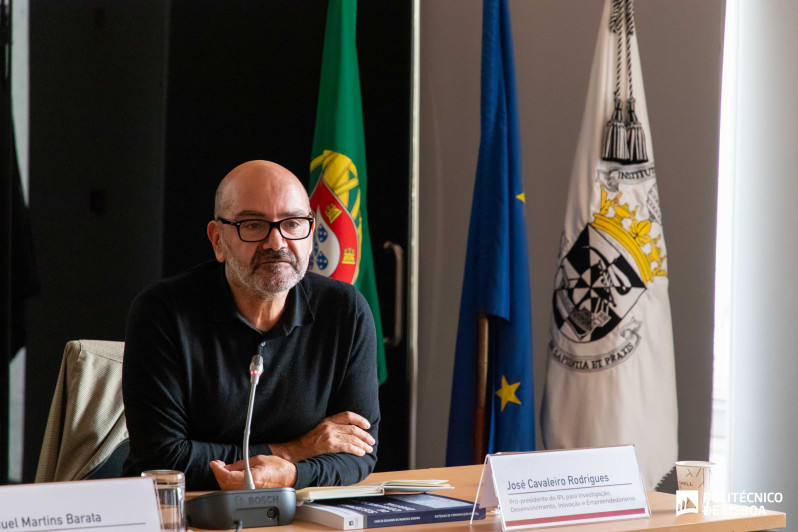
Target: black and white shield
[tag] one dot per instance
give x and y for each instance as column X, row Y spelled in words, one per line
column 595, row 287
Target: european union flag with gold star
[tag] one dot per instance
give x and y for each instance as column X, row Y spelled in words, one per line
column 496, row 280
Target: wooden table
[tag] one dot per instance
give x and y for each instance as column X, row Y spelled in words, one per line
column 724, row 517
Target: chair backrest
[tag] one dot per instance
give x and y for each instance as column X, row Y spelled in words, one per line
column 86, row 429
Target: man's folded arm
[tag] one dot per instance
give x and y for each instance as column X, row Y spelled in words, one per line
column 193, row 458
column 337, row 469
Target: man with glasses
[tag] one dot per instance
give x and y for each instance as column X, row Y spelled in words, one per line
column 190, row 340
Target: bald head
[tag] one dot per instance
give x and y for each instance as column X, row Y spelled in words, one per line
column 263, row 179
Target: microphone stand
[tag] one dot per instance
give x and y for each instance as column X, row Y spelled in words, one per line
column 250, row 507
column 255, row 371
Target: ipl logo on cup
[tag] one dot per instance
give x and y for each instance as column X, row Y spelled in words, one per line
column 686, row 502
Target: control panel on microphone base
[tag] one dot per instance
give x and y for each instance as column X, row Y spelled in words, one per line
column 254, row 508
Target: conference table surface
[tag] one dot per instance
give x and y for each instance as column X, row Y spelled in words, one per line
column 465, row 479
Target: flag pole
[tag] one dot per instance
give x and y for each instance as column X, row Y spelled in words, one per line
column 480, row 434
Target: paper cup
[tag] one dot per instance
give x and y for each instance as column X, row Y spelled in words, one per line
column 695, row 475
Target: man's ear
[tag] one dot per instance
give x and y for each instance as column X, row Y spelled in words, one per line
column 215, row 236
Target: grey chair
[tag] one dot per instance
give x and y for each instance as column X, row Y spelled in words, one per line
column 86, row 436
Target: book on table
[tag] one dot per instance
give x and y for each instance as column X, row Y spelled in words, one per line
column 371, row 490
column 387, row 510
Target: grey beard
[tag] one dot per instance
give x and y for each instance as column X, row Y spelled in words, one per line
column 262, row 277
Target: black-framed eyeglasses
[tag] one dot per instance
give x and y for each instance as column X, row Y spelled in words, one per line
column 256, row 230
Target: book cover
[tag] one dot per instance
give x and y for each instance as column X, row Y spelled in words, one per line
column 387, row 510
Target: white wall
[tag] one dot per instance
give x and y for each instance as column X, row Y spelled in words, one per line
column 764, row 362
column 680, row 47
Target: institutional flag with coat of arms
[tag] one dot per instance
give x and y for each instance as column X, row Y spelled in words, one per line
column 496, row 279
column 611, row 377
column 341, row 242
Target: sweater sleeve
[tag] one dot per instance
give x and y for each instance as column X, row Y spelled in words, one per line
column 155, row 394
column 357, row 392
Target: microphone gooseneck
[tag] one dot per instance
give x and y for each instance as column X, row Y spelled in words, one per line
column 255, row 371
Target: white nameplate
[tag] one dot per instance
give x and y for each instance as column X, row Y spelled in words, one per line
column 549, row 488
column 124, row 505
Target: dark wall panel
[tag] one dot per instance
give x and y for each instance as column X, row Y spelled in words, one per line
column 97, row 78
column 243, row 82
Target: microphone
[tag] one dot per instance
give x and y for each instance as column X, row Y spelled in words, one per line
column 250, row 507
column 255, row 370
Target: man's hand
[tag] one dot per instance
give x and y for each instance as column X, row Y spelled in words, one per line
column 267, row 472
column 342, row 433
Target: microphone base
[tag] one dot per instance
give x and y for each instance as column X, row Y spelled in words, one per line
column 220, row 510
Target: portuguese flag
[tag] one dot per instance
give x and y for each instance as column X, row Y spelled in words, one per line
column 341, row 243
